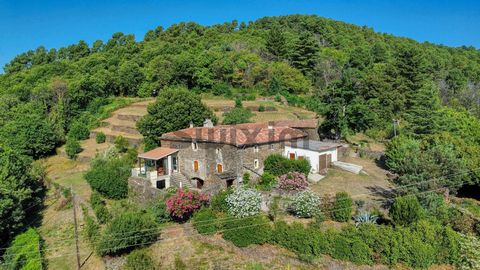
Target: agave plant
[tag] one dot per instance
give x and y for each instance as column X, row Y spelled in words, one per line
column 365, row 218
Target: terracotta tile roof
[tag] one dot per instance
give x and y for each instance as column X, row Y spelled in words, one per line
column 158, row 153
column 238, row 135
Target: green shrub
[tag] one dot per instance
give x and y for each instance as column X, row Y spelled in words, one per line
column 102, row 213
column 277, row 165
column 121, row 143
column 237, row 116
column 72, row 148
column 100, row 137
column 406, row 210
column 246, row 178
column 204, row 221
column 92, row 229
column 159, row 211
column 109, row 176
column 305, row 204
column 96, row 199
column 278, row 98
column 221, row 89
column 139, row 260
column 247, row 231
column 218, row 203
column 24, row 252
column 128, row 231
column 261, row 108
column 267, row 181
column 307, row 241
column 274, row 208
column 343, row 207
column 79, row 130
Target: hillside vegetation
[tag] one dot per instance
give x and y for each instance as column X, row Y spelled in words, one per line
column 356, row 79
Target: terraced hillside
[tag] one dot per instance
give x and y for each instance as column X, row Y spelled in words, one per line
column 123, row 121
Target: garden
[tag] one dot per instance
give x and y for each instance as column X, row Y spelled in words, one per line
column 280, row 209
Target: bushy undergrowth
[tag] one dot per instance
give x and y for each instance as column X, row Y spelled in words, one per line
column 205, row 221
column 305, row 204
column 244, row 202
column 406, row 210
column 277, row 165
column 24, row 253
column 109, row 176
column 247, row 231
column 126, row 232
column 99, row 208
column 100, row 137
column 267, row 181
column 343, row 207
column 139, row 260
column 159, row 211
column 218, row 201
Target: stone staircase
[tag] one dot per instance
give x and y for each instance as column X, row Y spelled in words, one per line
column 176, row 178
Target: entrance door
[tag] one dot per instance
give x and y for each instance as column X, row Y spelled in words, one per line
column 174, row 164
column 322, row 163
column 199, row 183
column 329, row 160
column 230, row 183
column 292, row 156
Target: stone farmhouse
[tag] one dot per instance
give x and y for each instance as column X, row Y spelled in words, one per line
column 210, row 157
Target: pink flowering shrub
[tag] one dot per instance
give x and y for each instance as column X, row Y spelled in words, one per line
column 183, row 203
column 294, row 181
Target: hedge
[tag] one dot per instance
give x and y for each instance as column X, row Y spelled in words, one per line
column 205, row 221
column 24, row 252
column 126, row 232
column 247, row 231
column 277, row 165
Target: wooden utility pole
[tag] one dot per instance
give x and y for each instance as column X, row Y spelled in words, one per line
column 75, row 227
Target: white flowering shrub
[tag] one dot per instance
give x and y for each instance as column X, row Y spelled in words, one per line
column 305, row 204
column 470, row 253
column 244, row 202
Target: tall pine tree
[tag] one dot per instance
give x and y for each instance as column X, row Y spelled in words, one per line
column 304, row 54
column 277, row 42
column 423, row 114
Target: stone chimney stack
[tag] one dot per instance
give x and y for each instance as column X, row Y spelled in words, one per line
column 208, row 123
column 191, row 124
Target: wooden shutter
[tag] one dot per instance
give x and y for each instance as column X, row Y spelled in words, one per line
column 292, row 156
column 195, row 166
column 219, row 168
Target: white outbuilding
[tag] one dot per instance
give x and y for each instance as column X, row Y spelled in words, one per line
column 319, row 154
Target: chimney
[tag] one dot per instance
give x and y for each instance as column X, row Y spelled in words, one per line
column 208, row 123
column 270, row 126
column 191, row 124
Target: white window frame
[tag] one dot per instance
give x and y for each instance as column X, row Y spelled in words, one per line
column 217, row 151
column 194, row 146
column 256, row 148
column 256, row 164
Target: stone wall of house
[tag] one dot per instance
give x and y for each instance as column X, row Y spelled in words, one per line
column 249, row 155
column 208, row 156
column 142, row 192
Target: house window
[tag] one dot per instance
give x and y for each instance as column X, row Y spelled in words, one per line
column 271, row 146
column 219, row 168
column 217, row 151
column 292, row 156
column 300, row 157
column 255, row 149
column 194, row 146
column 255, row 163
column 195, row 166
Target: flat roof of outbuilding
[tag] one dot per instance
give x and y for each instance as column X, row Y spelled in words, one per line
column 313, row 145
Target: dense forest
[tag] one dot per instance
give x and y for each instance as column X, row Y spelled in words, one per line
column 357, row 79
